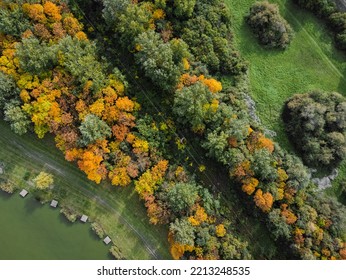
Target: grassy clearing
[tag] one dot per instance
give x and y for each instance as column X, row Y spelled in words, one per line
column 118, row 210
column 310, row 62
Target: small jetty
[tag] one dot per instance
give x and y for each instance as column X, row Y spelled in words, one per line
column 84, row 218
column 23, row 193
column 107, row 240
column 54, row 203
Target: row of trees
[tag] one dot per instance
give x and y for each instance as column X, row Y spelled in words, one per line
column 197, row 230
column 327, row 10
column 311, row 225
column 54, row 81
column 307, row 222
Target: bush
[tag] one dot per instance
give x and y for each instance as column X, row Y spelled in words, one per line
column 269, row 26
column 7, row 186
column 116, row 253
column 70, row 214
column 97, row 228
column 316, row 123
column 8, row 89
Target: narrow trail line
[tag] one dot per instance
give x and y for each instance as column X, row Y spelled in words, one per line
column 313, row 41
column 105, row 204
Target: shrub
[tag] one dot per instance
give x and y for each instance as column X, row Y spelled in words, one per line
column 316, row 124
column 97, row 228
column 70, row 214
column 269, row 26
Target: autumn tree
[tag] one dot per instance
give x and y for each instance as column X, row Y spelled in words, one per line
column 93, row 129
column 249, row 185
column 43, row 180
column 149, row 180
column 263, row 200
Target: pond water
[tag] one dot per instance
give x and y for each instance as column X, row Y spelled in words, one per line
column 29, row 230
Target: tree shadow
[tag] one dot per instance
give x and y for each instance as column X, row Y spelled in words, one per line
column 5, row 196
column 63, row 220
column 31, row 205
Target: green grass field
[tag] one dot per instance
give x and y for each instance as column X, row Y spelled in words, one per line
column 118, row 210
column 310, row 62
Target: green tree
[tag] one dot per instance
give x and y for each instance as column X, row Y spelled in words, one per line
column 232, row 248
column 8, row 89
column 316, row 124
column 135, row 20
column 263, row 165
column 92, row 129
column 184, row 8
column 112, row 9
column 192, row 105
column 18, row 119
column 278, row 226
column 182, row 196
column 184, row 232
column 155, row 57
column 35, row 57
column 269, row 26
column 80, row 58
column 13, row 22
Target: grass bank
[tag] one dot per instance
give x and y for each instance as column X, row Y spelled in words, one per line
column 118, row 210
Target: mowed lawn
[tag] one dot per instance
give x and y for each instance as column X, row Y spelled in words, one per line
column 118, row 210
column 311, row 62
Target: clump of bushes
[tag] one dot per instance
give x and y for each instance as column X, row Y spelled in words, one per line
column 316, row 123
column 70, row 214
column 269, row 26
column 116, row 253
column 7, row 186
column 97, row 228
